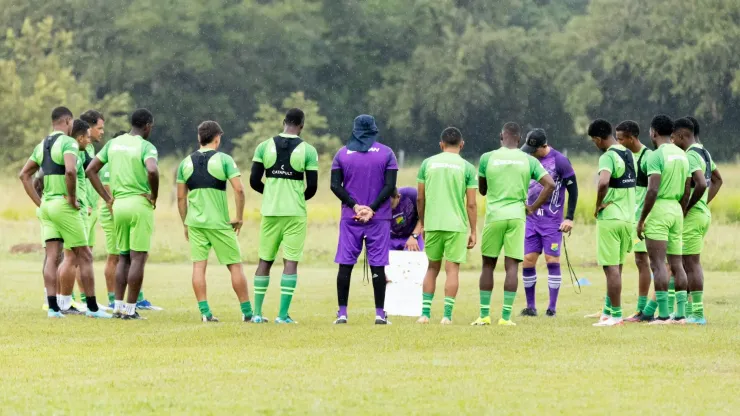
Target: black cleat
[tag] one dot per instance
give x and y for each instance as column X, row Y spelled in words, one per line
column 117, row 315
column 529, row 312
column 550, row 313
column 72, row 311
column 379, row 320
column 135, row 316
column 206, row 318
column 644, row 318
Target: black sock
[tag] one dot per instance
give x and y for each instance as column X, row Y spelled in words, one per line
column 379, row 285
column 53, row 305
column 92, row 304
column 343, row 278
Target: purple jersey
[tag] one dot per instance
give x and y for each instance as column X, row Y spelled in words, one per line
column 364, row 176
column 405, row 215
column 550, row 215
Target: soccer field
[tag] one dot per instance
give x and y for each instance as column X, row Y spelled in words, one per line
column 173, row 363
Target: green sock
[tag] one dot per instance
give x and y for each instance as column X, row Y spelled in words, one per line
column 287, row 288
column 74, row 296
column 141, row 296
column 260, row 289
column 111, row 297
column 671, row 295
column 246, row 309
column 508, row 305
column 662, row 297
column 607, row 306
column 83, row 298
column 205, row 309
column 650, row 308
column 681, row 298
column 485, row 303
column 689, row 306
column 426, row 304
column 449, row 306
column 616, row 311
column 697, row 304
column 641, row 302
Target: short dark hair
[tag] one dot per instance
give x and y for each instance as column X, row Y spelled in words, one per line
column 512, row 128
column 683, row 123
column 79, row 127
column 662, row 124
column 600, row 128
column 120, row 133
column 59, row 113
column 294, row 117
column 141, row 117
column 207, row 132
column 696, row 124
column 92, row 117
column 630, row 127
column 451, row 136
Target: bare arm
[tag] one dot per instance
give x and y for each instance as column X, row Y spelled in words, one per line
column 700, row 186
column 548, row 185
column 182, row 205
column 241, row 200
column 92, row 174
column 714, row 185
column 471, row 206
column 152, row 172
column 70, row 178
column 601, row 190
column 421, row 203
column 26, row 177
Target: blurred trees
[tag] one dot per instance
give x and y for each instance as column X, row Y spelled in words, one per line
column 417, row 65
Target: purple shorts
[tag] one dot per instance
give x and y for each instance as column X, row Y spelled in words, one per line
column 537, row 241
column 377, row 237
column 400, row 243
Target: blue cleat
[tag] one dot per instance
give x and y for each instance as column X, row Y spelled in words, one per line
column 696, row 321
column 287, row 320
column 100, row 314
column 257, row 319
column 52, row 314
column 145, row 305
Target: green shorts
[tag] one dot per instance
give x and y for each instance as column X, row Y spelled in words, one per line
column 133, row 220
column 638, row 246
column 60, row 221
column 695, row 228
column 223, row 242
column 613, row 241
column 450, row 245
column 106, row 223
column 91, row 220
column 506, row 234
column 665, row 223
column 288, row 231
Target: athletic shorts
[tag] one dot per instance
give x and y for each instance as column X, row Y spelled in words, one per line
column 92, row 219
column 613, row 241
column 399, row 244
column 450, row 245
column 290, row 232
column 505, row 234
column 223, row 242
column 106, row 223
column 375, row 235
column 638, row 246
column 133, row 221
column 695, row 228
column 665, row 223
column 537, row 242
column 61, row 221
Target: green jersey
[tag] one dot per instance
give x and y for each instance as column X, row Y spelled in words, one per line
column 208, row 207
column 671, row 163
column 127, row 155
column 446, row 178
column 55, row 186
column 92, row 195
column 697, row 163
column 507, row 173
column 284, row 197
column 640, row 191
column 104, row 174
column 621, row 201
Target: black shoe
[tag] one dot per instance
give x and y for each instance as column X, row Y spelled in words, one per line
column 135, row 316
column 72, row 311
column 529, row 312
column 379, row 320
column 117, row 315
column 550, row 312
column 645, row 318
column 206, row 318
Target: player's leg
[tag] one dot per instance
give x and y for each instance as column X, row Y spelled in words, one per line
column 111, row 262
column 674, row 250
column 122, row 269
column 532, row 249
column 229, row 253
column 456, row 253
column 378, row 244
column 696, row 226
column 271, row 236
column 71, row 225
column 142, row 228
column 614, row 242
column 435, row 241
column 344, row 276
column 492, row 242
column 551, row 245
column 66, row 273
column 87, row 274
column 294, row 238
column 200, row 247
column 122, row 230
column 51, row 266
column 514, row 250
column 349, row 247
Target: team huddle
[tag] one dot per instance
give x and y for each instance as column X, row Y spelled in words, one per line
column 660, row 197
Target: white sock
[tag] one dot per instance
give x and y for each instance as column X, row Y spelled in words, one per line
column 66, row 302
column 118, row 306
column 130, row 308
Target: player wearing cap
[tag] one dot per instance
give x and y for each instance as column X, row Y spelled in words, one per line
column 544, row 229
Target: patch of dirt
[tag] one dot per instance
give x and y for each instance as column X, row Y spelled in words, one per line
column 26, row 248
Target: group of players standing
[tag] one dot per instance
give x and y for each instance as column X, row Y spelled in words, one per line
column 525, row 196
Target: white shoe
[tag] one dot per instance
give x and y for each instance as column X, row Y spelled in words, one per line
column 422, row 320
column 610, row 322
column 445, row 321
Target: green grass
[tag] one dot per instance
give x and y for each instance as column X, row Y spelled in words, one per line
column 172, row 363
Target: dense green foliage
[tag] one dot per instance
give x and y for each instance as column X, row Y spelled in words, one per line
column 418, row 65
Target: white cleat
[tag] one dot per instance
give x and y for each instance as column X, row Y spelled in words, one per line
column 610, row 322
column 445, row 321
column 422, row 320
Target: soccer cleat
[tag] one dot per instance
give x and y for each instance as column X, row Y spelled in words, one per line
column 100, row 314
column 107, row 308
column 599, row 315
column 342, row 320
column 635, row 317
column 610, row 322
column 82, row 308
column 133, row 317
column 147, row 306
column 246, row 318
column 482, row 321
column 287, row 320
column 52, row 314
column 692, row 320
column 207, row 318
column 661, row 321
column 678, row 320
column 550, row 312
column 257, row 319
column 445, row 321
column 504, row 322
column 422, row 320
column 528, row 312
column 117, row 315
column 378, row 320
column 73, row 311
column 112, row 306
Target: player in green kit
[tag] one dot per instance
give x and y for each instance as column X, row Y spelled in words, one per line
column 705, row 183
column 201, row 200
column 447, row 210
column 106, row 223
column 63, row 226
column 615, row 208
column 135, row 187
column 661, row 220
column 503, row 178
column 285, row 160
